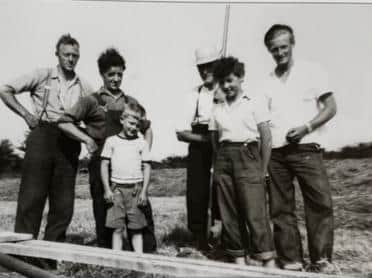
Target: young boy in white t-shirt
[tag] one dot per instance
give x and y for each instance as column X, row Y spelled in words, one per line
column 125, row 173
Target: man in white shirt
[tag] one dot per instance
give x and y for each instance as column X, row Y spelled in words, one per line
column 194, row 130
column 300, row 102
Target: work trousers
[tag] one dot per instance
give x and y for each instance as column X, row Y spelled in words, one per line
column 49, row 172
column 100, row 207
column 241, row 198
column 198, row 188
column 303, row 161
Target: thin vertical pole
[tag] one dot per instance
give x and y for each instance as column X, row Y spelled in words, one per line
column 226, row 30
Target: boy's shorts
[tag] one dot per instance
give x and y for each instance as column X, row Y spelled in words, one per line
column 125, row 211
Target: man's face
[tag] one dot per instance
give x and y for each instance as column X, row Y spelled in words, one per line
column 112, row 78
column 280, row 48
column 130, row 125
column 68, row 56
column 206, row 73
column 231, row 86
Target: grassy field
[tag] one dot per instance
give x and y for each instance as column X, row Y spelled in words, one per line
column 351, row 182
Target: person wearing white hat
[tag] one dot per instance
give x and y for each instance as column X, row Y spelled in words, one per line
column 194, row 130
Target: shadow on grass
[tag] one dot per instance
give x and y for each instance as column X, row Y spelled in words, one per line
column 179, row 237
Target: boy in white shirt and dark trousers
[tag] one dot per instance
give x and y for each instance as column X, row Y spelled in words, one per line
column 128, row 157
column 242, row 138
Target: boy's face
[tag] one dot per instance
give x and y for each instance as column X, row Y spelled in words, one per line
column 130, row 125
column 231, row 86
column 112, row 78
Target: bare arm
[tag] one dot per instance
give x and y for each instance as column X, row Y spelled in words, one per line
column 189, row 137
column 105, row 177
column 9, row 99
column 149, row 136
column 146, row 181
column 266, row 141
column 73, row 131
column 328, row 111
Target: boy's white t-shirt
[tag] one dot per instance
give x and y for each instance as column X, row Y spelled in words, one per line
column 126, row 158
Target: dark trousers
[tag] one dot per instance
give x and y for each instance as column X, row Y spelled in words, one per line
column 198, row 187
column 303, row 161
column 104, row 234
column 242, row 201
column 49, row 172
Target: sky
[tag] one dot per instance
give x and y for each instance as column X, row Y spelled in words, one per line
column 158, row 41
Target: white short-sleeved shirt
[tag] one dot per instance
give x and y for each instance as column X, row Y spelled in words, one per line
column 294, row 102
column 201, row 99
column 237, row 122
column 126, row 158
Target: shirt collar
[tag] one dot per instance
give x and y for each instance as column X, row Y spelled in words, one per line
column 290, row 73
column 244, row 96
column 56, row 73
column 104, row 91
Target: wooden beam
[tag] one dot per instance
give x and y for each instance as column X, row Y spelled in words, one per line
column 21, row 267
column 178, row 267
column 6, row 236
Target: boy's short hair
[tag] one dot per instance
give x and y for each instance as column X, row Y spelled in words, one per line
column 226, row 66
column 110, row 58
column 132, row 110
column 66, row 39
column 275, row 30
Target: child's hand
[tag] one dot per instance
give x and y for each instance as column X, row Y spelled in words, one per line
column 109, row 196
column 142, row 199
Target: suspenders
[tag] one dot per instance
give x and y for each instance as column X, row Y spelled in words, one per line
column 46, row 96
column 47, row 88
column 196, row 115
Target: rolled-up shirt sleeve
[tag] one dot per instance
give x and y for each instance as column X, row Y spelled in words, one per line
column 28, row 82
column 319, row 82
column 107, row 149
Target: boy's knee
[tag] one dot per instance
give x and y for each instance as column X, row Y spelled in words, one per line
column 119, row 231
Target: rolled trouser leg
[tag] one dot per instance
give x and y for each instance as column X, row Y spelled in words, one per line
column 316, row 190
column 282, row 210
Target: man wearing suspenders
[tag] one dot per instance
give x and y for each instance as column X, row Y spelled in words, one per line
column 100, row 113
column 195, row 132
column 51, row 159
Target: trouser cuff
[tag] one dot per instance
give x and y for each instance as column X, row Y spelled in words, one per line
column 236, row 253
column 264, row 256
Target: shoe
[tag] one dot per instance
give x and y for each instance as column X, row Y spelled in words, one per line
column 240, row 260
column 270, row 264
column 324, row 266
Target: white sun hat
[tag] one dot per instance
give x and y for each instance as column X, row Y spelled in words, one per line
column 207, row 54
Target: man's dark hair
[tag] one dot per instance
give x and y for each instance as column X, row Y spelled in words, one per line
column 227, row 66
column 110, row 58
column 66, row 39
column 277, row 29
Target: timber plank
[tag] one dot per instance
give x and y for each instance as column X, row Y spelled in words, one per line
column 122, row 259
column 6, row 236
column 209, row 263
